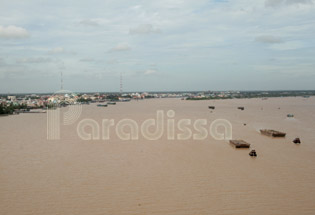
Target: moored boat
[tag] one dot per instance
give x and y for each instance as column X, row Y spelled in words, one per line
column 101, row 105
column 272, row 133
column 240, row 143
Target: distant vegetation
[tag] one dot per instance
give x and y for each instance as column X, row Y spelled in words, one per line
column 4, row 109
column 250, row 94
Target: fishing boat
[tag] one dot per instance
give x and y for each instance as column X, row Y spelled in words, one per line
column 272, row 133
column 111, row 103
column 211, row 107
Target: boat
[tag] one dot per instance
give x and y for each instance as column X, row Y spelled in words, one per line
column 124, row 100
column 211, row 107
column 272, row 133
column 290, row 115
column 241, row 108
column 111, row 103
column 240, row 143
column 32, row 111
column 297, row 140
column 101, row 105
column 253, row 153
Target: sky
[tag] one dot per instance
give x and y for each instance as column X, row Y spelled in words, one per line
column 164, row 45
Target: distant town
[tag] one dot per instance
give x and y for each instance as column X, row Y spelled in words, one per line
column 17, row 103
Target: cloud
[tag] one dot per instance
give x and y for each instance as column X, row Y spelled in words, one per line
column 87, row 60
column 291, row 45
column 144, row 29
column 120, row 47
column 268, row 39
column 112, row 61
column 276, row 3
column 34, row 60
column 12, row 73
column 143, row 73
column 13, row 32
column 57, row 50
column 150, row 72
column 89, row 22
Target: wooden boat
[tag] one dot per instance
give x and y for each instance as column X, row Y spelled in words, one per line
column 240, row 143
column 272, row 133
column 211, row 107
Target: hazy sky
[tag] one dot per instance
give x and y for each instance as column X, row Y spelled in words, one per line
column 157, row 45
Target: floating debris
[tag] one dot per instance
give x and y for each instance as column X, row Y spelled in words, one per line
column 253, row 153
column 297, row 140
column 240, row 143
column 211, row 107
column 272, row 133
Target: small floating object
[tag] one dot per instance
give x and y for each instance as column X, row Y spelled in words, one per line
column 244, row 124
column 253, row 153
column 290, row 115
column 240, row 143
column 241, row 108
column 111, row 103
column 272, row 133
column 297, row 140
column 211, row 107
